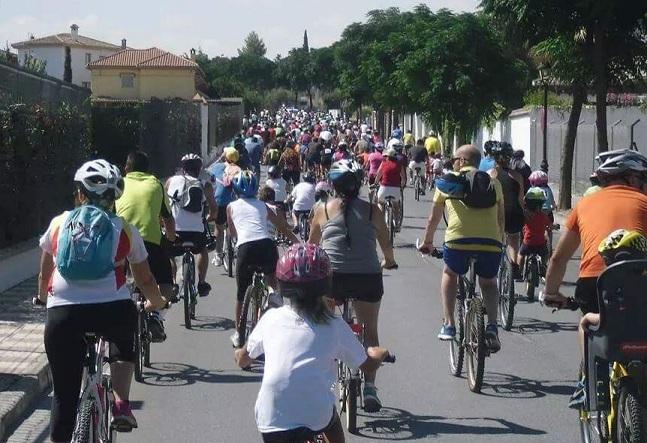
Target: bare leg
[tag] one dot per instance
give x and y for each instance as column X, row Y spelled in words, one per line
column 368, row 313
column 491, row 296
column 122, row 376
column 513, row 246
column 239, row 309
column 448, row 289
column 220, row 237
column 336, row 433
column 203, row 265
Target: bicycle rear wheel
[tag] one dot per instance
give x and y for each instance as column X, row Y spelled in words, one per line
column 249, row 314
column 351, row 404
column 139, row 347
column 416, row 186
column 457, row 346
column 390, row 224
column 532, row 280
column 630, row 424
column 87, row 421
column 187, row 283
column 506, row 294
column 475, row 346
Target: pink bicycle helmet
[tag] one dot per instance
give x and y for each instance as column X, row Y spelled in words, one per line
column 323, row 186
column 538, row 178
column 303, row 263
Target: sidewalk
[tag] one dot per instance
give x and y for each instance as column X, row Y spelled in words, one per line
column 24, row 371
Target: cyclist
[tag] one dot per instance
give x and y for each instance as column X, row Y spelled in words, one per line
column 540, row 179
column 342, row 153
column 278, row 185
column 289, row 164
column 80, row 299
column 518, row 164
column 247, row 220
column 409, row 141
column 534, row 229
column 273, row 154
column 254, row 148
column 433, row 144
column 303, row 198
column 487, row 161
column 471, row 232
column 348, row 229
column 418, row 164
column 391, row 178
column 397, row 132
column 374, row 162
column 223, row 194
column 513, row 196
column 188, row 194
column 301, row 342
column 620, row 204
column 142, row 205
column 313, row 155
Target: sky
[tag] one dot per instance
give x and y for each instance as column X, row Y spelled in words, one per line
column 218, row 27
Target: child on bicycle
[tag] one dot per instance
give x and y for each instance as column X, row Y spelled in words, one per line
column 540, row 179
column 534, row 229
column 302, row 341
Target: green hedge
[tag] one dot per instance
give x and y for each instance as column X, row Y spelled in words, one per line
column 40, row 149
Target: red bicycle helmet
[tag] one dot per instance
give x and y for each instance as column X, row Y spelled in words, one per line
column 303, row 263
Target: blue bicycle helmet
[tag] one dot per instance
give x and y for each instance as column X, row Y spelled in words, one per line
column 245, row 184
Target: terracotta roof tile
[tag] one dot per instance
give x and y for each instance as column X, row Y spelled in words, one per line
column 64, row 39
column 143, row 58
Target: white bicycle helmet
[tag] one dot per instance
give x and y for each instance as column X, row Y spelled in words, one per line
column 395, row 144
column 190, row 157
column 619, row 162
column 99, row 177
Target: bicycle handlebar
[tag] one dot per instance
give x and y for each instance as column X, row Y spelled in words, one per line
column 37, row 302
column 427, row 251
column 389, row 358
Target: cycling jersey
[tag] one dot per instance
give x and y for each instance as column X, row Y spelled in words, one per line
column 432, row 144
column 304, row 196
column 374, row 161
column 249, row 217
column 224, row 194
column 550, row 199
column 418, row 154
column 472, row 229
column 142, row 204
column 184, row 220
column 279, row 185
column 409, row 139
column 391, row 173
column 127, row 244
column 534, row 230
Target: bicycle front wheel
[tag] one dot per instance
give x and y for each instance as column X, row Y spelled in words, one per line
column 87, row 422
column 139, row 347
column 351, row 404
column 532, row 280
column 475, row 346
column 229, row 259
column 390, row 224
column 416, row 185
column 187, row 283
column 250, row 313
column 506, row 295
column 456, row 346
column 630, row 425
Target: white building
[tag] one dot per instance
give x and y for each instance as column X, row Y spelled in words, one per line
column 51, row 49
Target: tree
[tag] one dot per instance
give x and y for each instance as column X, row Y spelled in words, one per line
column 306, row 46
column 295, row 72
column 253, row 45
column 67, row 67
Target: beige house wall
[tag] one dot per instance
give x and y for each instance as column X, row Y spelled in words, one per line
column 148, row 83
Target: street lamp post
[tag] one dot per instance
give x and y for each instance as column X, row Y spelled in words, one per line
column 543, row 75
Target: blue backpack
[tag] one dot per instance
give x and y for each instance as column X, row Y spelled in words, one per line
column 85, row 244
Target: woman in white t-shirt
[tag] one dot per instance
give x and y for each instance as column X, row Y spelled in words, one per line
column 301, row 342
column 279, row 185
column 303, row 197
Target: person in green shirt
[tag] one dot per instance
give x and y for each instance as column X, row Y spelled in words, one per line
column 144, row 204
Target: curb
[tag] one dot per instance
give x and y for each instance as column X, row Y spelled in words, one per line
column 22, row 394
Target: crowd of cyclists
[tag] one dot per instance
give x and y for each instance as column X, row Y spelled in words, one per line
column 311, row 197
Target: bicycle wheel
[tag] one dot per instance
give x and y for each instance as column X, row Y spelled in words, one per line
column 107, row 400
column 532, row 279
column 475, row 346
column 186, row 293
column 506, row 295
column 390, row 224
column 249, row 313
column 87, row 420
column 351, row 405
column 416, row 186
column 146, row 342
column 400, row 219
column 630, row 425
column 456, row 346
column 139, row 347
column 231, row 255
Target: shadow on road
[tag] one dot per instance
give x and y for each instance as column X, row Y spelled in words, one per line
column 534, row 326
column 392, row 424
column 181, row 374
column 207, row 323
column 497, row 384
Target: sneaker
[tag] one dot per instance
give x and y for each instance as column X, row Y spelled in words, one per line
column 123, row 419
column 204, row 288
column 492, row 338
column 175, row 293
column 217, row 260
column 235, row 339
column 447, row 332
column 578, row 399
column 371, row 401
column 156, row 328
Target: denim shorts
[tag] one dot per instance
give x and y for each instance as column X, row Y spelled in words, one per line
column 486, row 266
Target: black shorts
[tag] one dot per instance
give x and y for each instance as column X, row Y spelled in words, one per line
column 292, row 176
column 513, row 222
column 199, row 240
column 160, row 263
column 313, row 161
column 586, row 294
column 259, row 254
column 362, row 287
column 526, row 250
column 221, row 217
column 299, row 434
column 326, row 161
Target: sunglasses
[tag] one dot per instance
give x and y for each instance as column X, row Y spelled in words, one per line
column 459, row 158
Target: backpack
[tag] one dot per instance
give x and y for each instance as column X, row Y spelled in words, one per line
column 191, row 195
column 85, row 244
column 274, row 154
column 474, row 188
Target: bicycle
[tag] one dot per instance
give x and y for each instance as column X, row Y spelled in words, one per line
column 143, row 337
column 304, row 225
column 507, row 296
column 532, row 272
column 257, row 300
column 350, row 381
column 418, row 185
column 229, row 246
column 94, row 414
column 188, row 290
column 470, row 341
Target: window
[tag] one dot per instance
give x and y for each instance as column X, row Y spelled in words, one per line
column 127, row 80
column 85, row 84
column 88, row 58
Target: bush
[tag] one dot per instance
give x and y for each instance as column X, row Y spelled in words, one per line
column 40, row 149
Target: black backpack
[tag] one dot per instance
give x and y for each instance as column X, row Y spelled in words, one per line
column 473, row 187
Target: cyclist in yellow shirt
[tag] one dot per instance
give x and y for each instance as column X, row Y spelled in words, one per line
column 432, row 144
column 471, row 232
column 409, row 140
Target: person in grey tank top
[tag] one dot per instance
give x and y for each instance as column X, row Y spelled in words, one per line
column 349, row 230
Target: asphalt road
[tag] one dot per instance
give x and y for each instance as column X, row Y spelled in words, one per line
column 195, row 393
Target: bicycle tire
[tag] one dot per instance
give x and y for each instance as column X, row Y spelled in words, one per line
column 630, row 424
column 390, row 223
column 416, row 185
column 456, row 346
column 86, row 431
column 506, row 295
column 475, row 346
column 401, row 214
column 230, row 257
column 139, row 348
column 186, row 294
column 108, row 400
column 531, row 281
column 147, row 350
column 351, row 405
column 249, row 314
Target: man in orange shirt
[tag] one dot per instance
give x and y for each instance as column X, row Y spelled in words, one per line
column 621, row 204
